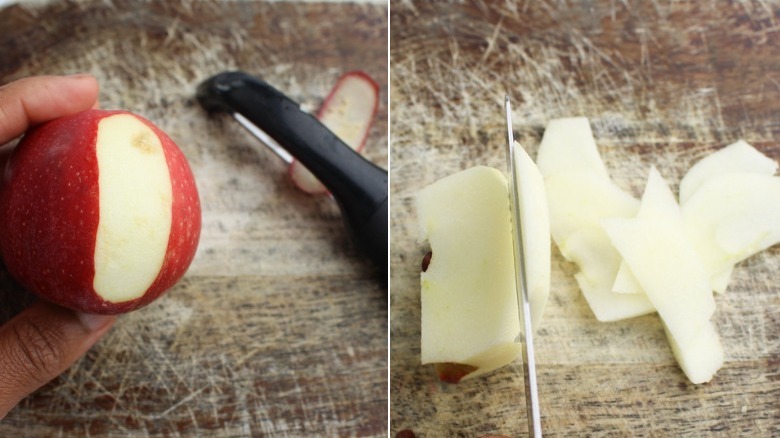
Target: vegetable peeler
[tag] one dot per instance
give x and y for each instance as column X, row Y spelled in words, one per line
column 357, row 185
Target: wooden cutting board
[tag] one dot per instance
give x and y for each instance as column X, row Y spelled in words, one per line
column 663, row 84
column 280, row 326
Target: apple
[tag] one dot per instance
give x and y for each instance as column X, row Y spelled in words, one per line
column 99, row 212
column 738, row 157
column 598, row 261
column 535, row 222
column 702, row 357
column 730, row 218
column 568, row 146
column 578, row 201
column 468, row 298
column 664, row 262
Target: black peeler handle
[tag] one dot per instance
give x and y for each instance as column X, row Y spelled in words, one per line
column 357, row 185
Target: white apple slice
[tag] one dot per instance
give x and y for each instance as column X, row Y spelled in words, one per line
column 670, row 271
column 579, row 200
column 738, row 157
column 626, row 282
column 730, row 218
column 568, row 146
column 701, row 357
column 348, row 112
column 469, row 304
column 720, row 280
column 598, row 261
column 535, row 221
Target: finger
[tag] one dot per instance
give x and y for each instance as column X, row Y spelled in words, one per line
column 34, row 100
column 39, row 344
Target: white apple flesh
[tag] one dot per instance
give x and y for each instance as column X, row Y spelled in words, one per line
column 730, row 218
column 568, row 146
column 701, row 357
column 738, row 157
column 664, row 262
column 535, row 222
column 469, row 305
column 578, row 202
column 100, row 212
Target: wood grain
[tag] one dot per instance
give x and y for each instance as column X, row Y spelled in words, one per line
column 663, row 83
column 280, row 326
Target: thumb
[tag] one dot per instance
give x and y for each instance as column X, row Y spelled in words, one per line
column 39, row 344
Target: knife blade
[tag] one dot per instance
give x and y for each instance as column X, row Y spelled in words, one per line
column 524, row 306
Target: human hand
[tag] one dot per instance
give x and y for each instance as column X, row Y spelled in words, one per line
column 45, row 339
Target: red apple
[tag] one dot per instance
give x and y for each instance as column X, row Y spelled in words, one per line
column 99, row 212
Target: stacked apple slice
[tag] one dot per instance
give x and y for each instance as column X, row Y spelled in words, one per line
column 470, row 317
column 656, row 255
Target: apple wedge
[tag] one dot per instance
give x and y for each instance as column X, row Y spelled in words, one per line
column 348, row 111
column 469, row 304
column 738, row 157
column 664, row 262
column 535, row 222
column 730, row 218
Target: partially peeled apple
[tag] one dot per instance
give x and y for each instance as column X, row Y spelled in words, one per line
column 99, row 212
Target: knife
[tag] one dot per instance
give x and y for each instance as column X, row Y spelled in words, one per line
column 358, row 186
column 529, row 362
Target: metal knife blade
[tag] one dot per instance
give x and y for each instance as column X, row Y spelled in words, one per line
column 524, row 305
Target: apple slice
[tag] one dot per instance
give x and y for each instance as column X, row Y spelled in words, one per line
column 468, row 298
column 738, row 157
column 535, row 221
column 730, row 218
column 568, row 146
column 701, row 357
column 626, row 282
column 579, row 200
column 348, row 111
column 665, row 263
column 598, row 260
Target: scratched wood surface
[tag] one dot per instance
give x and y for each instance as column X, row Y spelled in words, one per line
column 279, row 327
column 663, row 83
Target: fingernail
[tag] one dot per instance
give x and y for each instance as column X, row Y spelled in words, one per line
column 94, row 322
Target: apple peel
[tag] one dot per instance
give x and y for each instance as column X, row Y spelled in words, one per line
column 348, row 111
